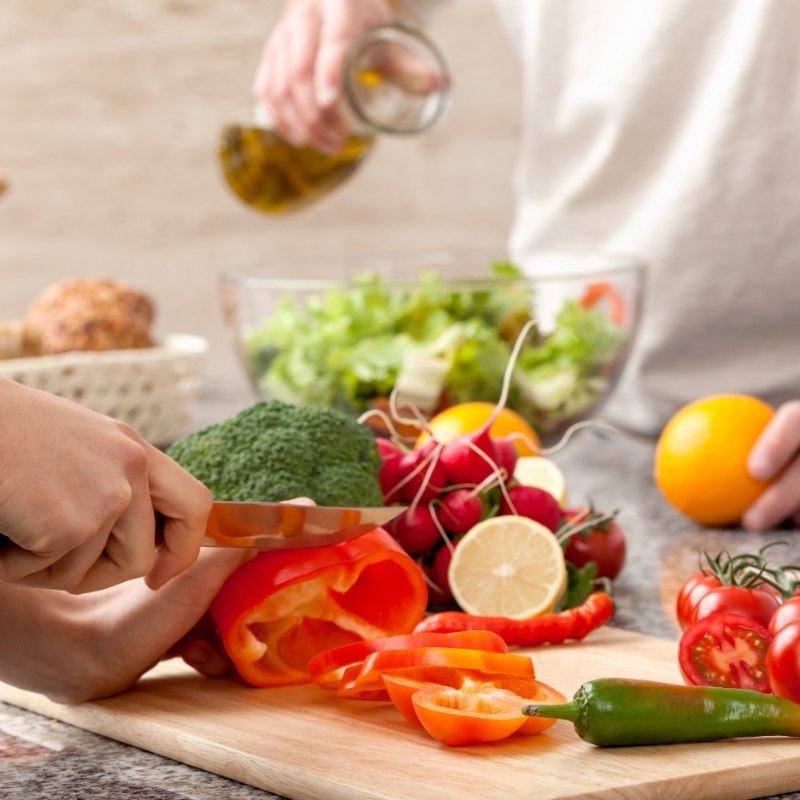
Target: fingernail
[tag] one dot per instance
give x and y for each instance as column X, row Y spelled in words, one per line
column 760, row 467
column 196, row 656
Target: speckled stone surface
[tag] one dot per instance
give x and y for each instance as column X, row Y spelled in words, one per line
column 45, row 760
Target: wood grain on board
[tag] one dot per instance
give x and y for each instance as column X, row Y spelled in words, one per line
column 306, row 744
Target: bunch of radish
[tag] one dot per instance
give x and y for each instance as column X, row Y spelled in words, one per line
column 451, row 487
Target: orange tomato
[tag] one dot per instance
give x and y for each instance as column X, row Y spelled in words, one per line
column 701, row 457
column 469, row 417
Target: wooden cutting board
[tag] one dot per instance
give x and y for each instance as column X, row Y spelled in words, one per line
column 306, row 744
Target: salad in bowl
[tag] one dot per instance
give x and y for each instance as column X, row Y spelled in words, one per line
column 443, row 336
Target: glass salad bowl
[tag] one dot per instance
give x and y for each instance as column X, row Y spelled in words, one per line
column 440, row 327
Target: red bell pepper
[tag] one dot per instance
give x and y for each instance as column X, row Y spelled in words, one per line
column 365, row 681
column 327, row 668
column 284, row 607
column 595, row 292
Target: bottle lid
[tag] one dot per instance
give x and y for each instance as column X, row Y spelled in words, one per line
column 396, row 80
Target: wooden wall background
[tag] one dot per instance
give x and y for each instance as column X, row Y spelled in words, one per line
column 108, row 118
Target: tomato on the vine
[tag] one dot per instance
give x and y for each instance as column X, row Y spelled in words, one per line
column 755, row 604
column 695, row 588
column 602, row 542
column 783, row 662
column 786, row 614
column 726, row 650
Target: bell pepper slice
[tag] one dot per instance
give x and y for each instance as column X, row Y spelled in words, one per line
column 595, row 292
column 514, row 691
column 327, row 668
column 284, row 607
column 477, row 711
column 456, row 718
column 368, row 680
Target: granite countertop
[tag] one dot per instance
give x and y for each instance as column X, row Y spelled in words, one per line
column 41, row 759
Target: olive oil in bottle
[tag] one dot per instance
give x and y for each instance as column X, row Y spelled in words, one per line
column 268, row 173
column 395, row 81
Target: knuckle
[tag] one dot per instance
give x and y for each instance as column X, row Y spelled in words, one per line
column 118, row 497
column 134, row 459
column 124, row 428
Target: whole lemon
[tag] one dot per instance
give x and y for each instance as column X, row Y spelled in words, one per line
column 701, row 457
column 469, row 417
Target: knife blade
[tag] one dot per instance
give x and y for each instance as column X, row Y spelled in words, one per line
column 270, row 526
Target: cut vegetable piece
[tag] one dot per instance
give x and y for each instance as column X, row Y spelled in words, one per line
column 508, row 566
column 541, row 473
column 457, row 718
column 423, row 660
column 283, row 607
column 326, row 669
column 726, row 650
column 516, row 692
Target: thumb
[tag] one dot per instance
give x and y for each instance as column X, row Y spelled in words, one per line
column 147, row 623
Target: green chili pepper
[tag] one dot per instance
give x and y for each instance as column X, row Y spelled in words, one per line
column 613, row 712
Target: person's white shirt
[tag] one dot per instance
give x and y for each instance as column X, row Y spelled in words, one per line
column 671, row 129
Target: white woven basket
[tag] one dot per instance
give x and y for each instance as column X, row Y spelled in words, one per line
column 152, row 389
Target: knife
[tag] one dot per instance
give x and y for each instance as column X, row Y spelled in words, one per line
column 272, row 526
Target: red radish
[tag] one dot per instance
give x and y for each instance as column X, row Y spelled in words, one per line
column 460, row 511
column 434, row 485
column 536, row 504
column 388, row 450
column 437, row 573
column 463, row 464
column 390, row 474
column 507, row 455
column 415, row 530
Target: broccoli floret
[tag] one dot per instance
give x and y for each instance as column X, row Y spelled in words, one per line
column 274, row 451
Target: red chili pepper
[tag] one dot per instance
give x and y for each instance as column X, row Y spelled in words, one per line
column 574, row 623
column 283, row 607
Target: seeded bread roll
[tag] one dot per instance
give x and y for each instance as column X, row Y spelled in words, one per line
column 89, row 314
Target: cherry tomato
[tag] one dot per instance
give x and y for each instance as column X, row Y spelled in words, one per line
column 605, row 545
column 695, row 588
column 787, row 613
column 755, row 604
column 726, row 650
column 783, row 662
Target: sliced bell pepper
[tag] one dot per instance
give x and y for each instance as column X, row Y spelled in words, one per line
column 475, row 712
column 366, row 682
column 327, row 668
column 284, row 607
column 514, row 691
column 595, row 292
column 457, row 718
